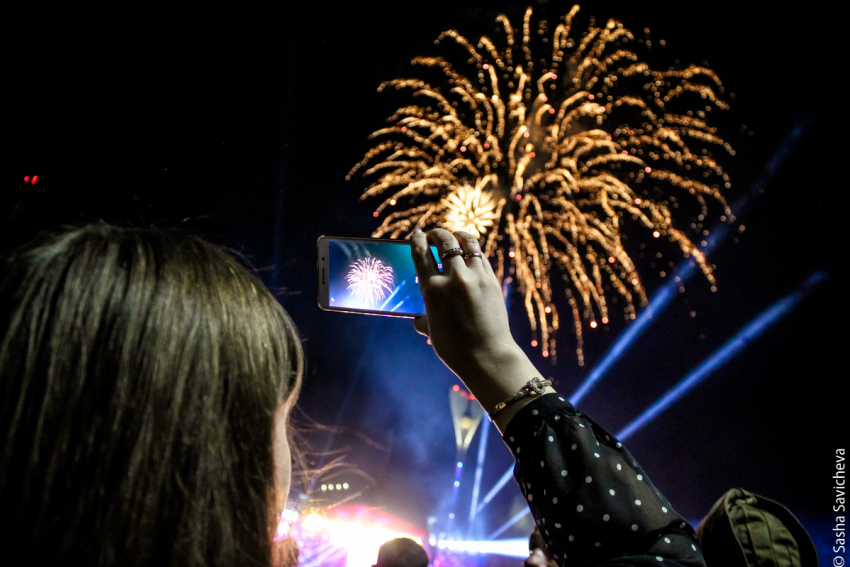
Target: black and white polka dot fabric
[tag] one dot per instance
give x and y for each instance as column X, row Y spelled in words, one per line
column 592, row 502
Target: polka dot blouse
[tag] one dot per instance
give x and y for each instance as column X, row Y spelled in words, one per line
column 592, row 502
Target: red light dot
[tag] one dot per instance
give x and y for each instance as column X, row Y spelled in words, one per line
column 554, row 76
column 375, row 214
column 625, row 153
column 463, row 148
column 533, row 154
column 455, row 387
column 590, row 97
column 34, row 179
column 519, row 197
column 404, row 128
column 551, row 111
column 648, row 170
column 638, row 201
column 610, row 259
column 593, row 324
column 27, row 179
column 545, row 353
column 634, row 281
column 534, row 343
column 605, row 320
column 471, row 397
column 486, row 66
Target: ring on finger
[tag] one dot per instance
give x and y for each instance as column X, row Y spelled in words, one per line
column 452, row 252
column 472, row 255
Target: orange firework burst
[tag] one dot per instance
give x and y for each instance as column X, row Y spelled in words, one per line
column 550, row 162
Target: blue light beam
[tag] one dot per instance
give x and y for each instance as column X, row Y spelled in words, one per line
column 656, row 305
column 726, row 353
column 517, row 517
column 517, row 547
column 327, row 556
column 496, row 488
column 479, row 470
column 687, row 268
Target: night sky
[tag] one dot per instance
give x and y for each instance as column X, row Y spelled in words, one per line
column 241, row 126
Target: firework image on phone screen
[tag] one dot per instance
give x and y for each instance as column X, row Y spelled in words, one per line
column 371, row 276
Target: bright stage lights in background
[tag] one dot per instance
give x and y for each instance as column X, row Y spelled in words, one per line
column 549, row 162
column 33, row 180
column 347, row 536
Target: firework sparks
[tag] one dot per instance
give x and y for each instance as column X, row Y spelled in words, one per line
column 469, row 209
column 369, row 280
column 554, row 163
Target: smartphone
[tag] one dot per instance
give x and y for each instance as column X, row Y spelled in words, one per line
column 369, row 275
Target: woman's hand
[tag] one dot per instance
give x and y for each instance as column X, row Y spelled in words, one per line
column 466, row 319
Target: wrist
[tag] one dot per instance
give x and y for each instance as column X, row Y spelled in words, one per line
column 504, row 417
column 497, row 375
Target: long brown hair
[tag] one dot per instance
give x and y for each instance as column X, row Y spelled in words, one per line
column 140, row 372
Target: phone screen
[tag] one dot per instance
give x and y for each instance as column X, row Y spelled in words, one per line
column 371, row 276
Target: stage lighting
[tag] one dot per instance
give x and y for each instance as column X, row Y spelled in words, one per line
column 508, row 547
column 509, row 474
column 723, row 355
column 466, row 416
column 685, row 270
column 356, row 534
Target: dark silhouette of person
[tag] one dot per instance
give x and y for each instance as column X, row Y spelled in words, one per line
column 402, row 552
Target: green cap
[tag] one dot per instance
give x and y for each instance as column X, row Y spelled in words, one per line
column 743, row 529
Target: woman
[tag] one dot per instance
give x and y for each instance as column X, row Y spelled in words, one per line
column 145, row 382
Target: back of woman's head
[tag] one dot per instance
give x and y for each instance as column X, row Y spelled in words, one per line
column 140, row 374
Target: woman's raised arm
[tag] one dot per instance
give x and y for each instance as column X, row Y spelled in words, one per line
column 590, row 499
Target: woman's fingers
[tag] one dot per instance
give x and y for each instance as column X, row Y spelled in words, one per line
column 423, row 260
column 448, row 247
column 454, row 249
column 472, row 254
column 467, row 242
